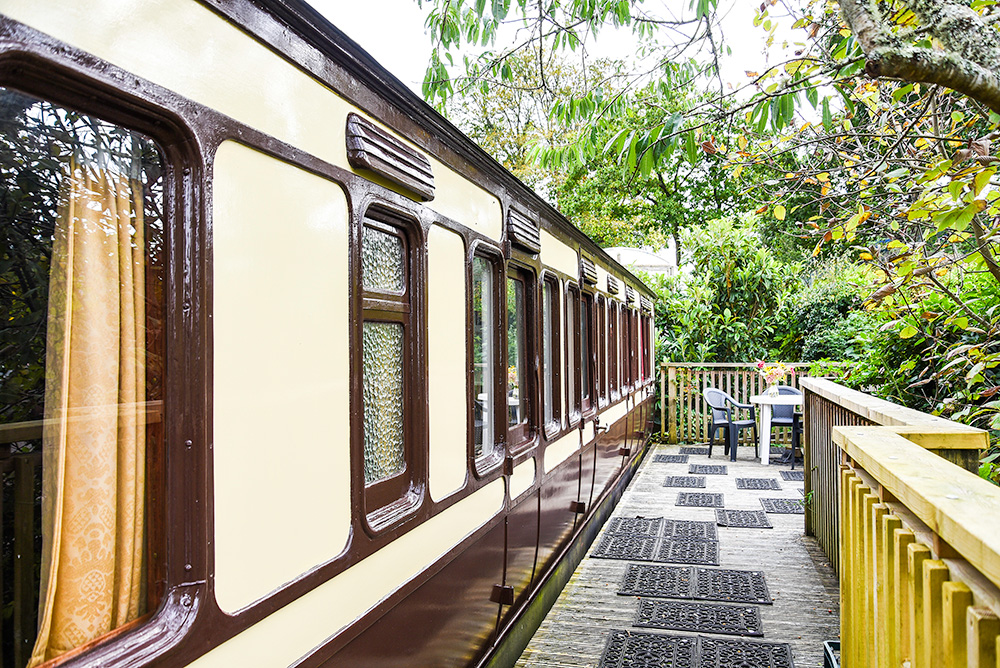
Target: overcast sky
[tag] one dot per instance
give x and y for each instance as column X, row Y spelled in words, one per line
column 392, row 31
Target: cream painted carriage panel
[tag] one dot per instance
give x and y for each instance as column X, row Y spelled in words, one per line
column 447, row 361
column 465, row 202
column 523, row 477
column 559, row 256
column 281, row 371
column 558, row 452
column 295, row 630
column 187, row 48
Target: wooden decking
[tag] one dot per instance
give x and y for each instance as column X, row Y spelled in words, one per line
column 806, row 607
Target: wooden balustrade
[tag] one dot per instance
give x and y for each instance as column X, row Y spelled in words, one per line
column 20, row 477
column 913, row 534
column 684, row 415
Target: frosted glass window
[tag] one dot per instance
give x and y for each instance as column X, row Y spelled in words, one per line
column 517, row 395
column 482, row 356
column 382, row 380
column 382, row 268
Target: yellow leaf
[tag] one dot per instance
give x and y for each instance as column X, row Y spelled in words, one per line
column 742, row 142
column 844, row 32
column 779, row 212
column 866, row 256
column 823, row 176
column 737, row 171
column 789, row 175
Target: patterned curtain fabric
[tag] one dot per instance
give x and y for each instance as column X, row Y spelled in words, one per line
column 94, row 437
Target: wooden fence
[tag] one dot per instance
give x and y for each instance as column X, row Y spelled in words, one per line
column 684, row 416
column 912, row 532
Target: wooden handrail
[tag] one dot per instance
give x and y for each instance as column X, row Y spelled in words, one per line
column 910, row 529
column 13, row 432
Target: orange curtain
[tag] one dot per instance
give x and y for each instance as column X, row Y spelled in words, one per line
column 94, row 437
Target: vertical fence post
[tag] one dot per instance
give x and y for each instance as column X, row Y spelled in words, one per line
column 24, row 558
column 663, row 399
column 672, row 401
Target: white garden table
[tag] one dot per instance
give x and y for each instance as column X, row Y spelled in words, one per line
column 765, row 401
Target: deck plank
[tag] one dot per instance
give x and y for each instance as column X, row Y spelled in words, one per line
column 806, row 608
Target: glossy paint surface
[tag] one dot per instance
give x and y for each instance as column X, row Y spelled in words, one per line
column 446, row 355
column 281, row 370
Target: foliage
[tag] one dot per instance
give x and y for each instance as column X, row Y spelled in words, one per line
column 726, row 309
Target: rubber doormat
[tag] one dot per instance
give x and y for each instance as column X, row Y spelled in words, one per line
column 733, row 620
column 670, row 459
column 708, row 469
column 794, row 475
column 784, row 506
column 757, row 483
column 726, row 653
column 684, row 481
column 746, row 519
column 646, row 526
column 694, row 451
column 657, row 539
column 626, row 649
column 706, row 584
column 688, row 551
column 699, row 499
column 630, row 649
column 690, row 529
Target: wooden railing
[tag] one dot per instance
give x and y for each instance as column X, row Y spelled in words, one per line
column 914, row 535
column 684, row 415
column 20, row 483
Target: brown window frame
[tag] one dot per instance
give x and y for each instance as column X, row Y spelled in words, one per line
column 574, row 411
column 588, row 394
column 521, row 435
column 613, row 345
column 552, row 383
column 487, row 462
column 389, row 501
column 601, row 328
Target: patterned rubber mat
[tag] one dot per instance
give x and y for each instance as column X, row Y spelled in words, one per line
column 684, row 481
column 646, row 526
column 784, row 506
column 746, row 519
column 706, row 584
column 694, row 451
column 629, row 649
column 708, row 469
column 670, row 459
column 690, row 529
column 688, row 551
column 757, row 483
column 793, row 475
column 699, row 499
column 726, row 653
column 734, row 620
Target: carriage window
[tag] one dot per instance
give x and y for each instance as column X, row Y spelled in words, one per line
column 586, row 359
column 519, row 354
column 626, row 337
column 572, row 364
column 81, row 376
column 387, row 388
column 550, row 350
column 613, row 347
column 601, row 345
column 483, row 357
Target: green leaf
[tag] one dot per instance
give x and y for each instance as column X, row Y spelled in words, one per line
column 908, row 332
column 827, row 116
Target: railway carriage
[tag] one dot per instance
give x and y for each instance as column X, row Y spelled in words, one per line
column 293, row 372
